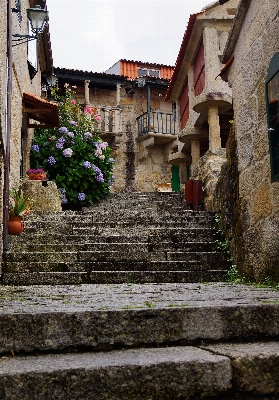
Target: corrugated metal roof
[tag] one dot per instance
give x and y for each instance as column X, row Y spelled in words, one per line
column 130, row 69
column 147, row 64
column 84, row 73
column 87, row 74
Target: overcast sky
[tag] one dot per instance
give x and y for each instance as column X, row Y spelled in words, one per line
column 92, row 35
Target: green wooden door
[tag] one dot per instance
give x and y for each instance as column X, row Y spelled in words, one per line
column 175, row 180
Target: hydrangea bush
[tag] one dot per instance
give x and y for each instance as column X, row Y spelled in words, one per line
column 74, row 155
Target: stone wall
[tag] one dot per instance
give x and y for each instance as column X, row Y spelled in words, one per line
column 132, row 170
column 257, row 42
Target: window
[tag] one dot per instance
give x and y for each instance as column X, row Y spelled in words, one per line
column 199, row 71
column 155, row 73
column 32, row 54
column 184, row 106
column 272, row 99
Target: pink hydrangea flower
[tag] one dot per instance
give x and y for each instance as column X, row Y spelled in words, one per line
column 73, row 102
column 88, row 110
column 97, row 118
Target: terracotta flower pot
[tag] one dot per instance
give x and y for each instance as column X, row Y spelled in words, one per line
column 15, row 225
column 37, row 177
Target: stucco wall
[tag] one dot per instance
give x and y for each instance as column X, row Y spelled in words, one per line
column 257, row 43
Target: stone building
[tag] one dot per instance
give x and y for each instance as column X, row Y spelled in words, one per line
column 204, row 99
column 138, row 124
column 251, row 55
column 23, row 62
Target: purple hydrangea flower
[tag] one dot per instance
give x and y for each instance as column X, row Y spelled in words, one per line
column 51, row 160
column 68, row 152
column 86, row 164
column 81, row 196
column 100, row 177
column 59, row 145
column 63, row 130
column 87, row 135
column 96, row 169
column 61, row 140
column 71, row 134
column 103, row 145
column 73, row 123
column 110, row 182
column 111, row 160
column 35, row 147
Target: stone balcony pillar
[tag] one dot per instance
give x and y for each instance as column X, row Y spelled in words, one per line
column 195, row 152
column 214, row 128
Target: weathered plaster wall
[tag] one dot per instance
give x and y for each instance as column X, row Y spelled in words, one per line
column 259, row 197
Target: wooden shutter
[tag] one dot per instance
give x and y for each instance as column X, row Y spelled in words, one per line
column 184, row 106
column 199, row 71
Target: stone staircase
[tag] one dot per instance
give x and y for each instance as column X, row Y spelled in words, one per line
column 162, row 339
column 137, row 237
column 139, row 342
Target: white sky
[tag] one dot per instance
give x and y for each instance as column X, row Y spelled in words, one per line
column 92, row 35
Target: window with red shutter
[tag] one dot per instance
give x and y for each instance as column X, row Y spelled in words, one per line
column 199, row 71
column 184, row 106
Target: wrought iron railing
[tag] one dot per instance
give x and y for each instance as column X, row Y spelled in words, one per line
column 156, row 122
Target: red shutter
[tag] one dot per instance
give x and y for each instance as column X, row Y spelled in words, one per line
column 184, row 106
column 199, row 71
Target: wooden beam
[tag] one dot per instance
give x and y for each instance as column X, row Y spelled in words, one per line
column 36, row 110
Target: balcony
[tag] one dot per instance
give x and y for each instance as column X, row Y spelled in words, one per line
column 157, row 124
column 111, row 125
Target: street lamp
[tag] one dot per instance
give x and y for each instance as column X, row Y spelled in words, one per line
column 38, row 19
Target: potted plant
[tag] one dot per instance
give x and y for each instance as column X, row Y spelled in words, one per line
column 36, row 174
column 19, row 206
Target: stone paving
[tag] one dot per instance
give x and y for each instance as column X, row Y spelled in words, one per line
column 42, row 298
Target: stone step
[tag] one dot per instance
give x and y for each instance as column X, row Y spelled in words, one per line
column 33, row 226
column 139, row 242
column 99, row 214
column 79, row 276
column 167, row 373
column 46, row 318
column 132, row 255
column 155, row 235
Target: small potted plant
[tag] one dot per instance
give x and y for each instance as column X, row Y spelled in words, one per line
column 36, row 174
column 19, row 206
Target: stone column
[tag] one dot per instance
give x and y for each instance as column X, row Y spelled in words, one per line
column 182, row 175
column 118, row 95
column 195, row 153
column 214, row 128
column 211, row 53
column 86, row 92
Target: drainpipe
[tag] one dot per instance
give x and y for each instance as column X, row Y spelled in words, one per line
column 8, row 128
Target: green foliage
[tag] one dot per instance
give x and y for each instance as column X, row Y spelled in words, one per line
column 74, row 155
column 233, row 276
column 19, row 204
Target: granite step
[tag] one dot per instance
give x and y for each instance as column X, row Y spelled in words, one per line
column 132, row 255
column 130, row 341
column 168, row 373
column 121, row 245
column 58, row 274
